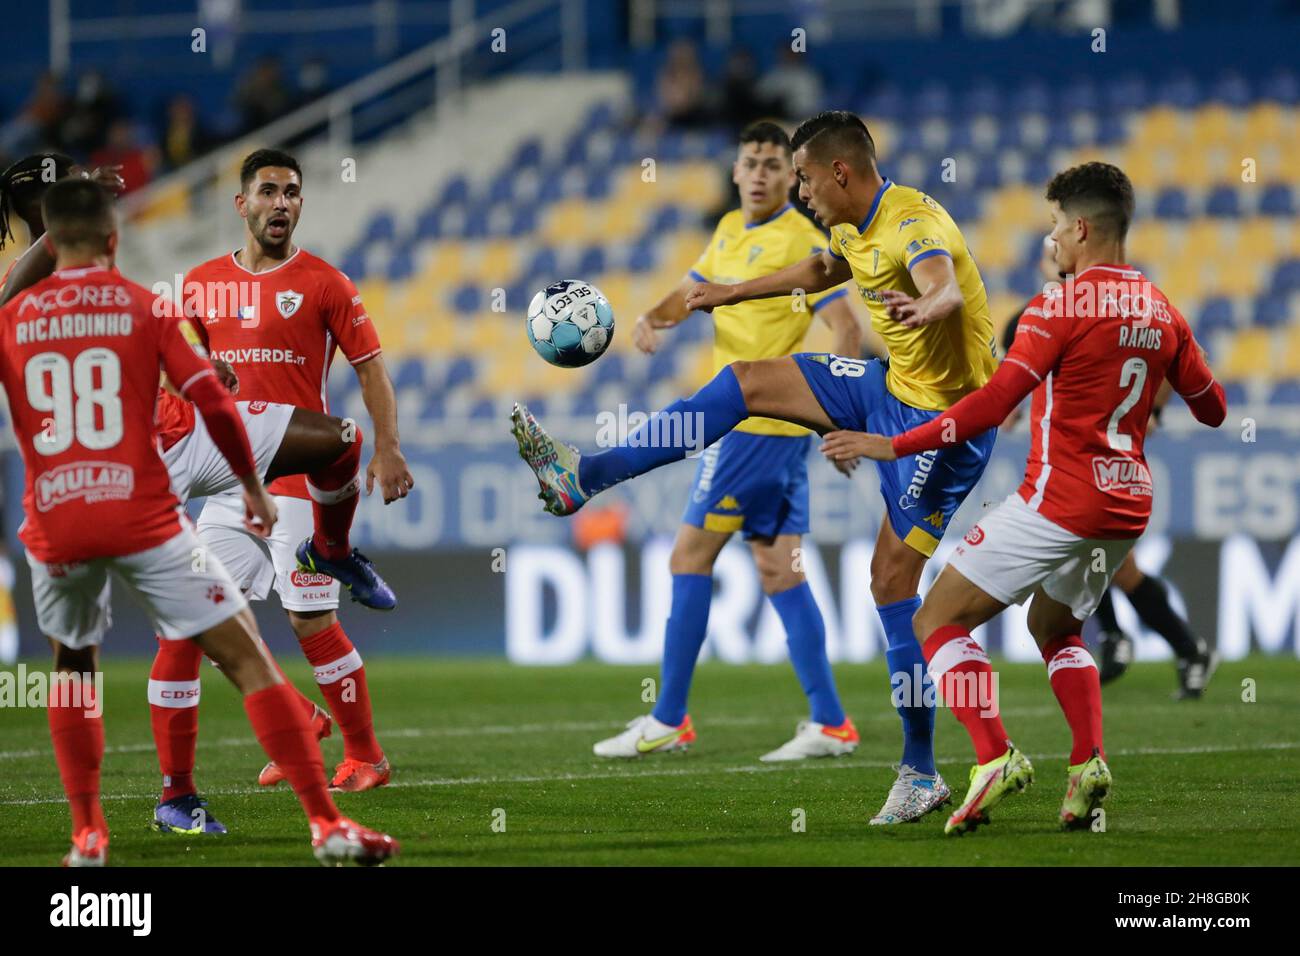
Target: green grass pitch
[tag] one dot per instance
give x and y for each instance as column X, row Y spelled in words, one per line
column 1212, row 782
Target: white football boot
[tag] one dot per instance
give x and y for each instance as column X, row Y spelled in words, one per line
column 912, row 796
column 646, row 735
column 812, row 739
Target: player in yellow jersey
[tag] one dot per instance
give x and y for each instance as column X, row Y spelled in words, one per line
column 755, row 480
column 927, row 301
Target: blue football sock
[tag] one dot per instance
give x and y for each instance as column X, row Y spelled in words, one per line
column 906, row 663
column 688, row 623
column 688, row 424
column 805, row 633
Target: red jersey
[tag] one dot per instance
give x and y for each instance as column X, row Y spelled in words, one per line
column 80, row 355
column 279, row 329
column 175, row 418
column 1094, row 353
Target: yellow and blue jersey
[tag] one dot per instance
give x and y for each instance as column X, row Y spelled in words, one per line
column 933, row 366
column 761, row 328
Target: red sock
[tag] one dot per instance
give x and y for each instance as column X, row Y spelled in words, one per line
column 333, row 492
column 1077, row 686
column 286, row 736
column 174, row 713
column 342, row 679
column 79, row 749
column 968, row 687
column 305, row 703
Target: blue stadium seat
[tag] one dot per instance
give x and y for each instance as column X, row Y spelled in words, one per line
column 1286, row 393
column 545, row 262
column 1179, row 90
column 402, row 265
column 887, row 102
column 460, row 372
column 1223, row 202
column 1277, row 201
column 1235, row 392
column 575, row 151
column 354, row 264
column 591, row 262
column 1286, row 277
column 1283, row 86
column 1038, row 168
column 528, row 154
column 1271, row 311
column 931, row 100
column 483, row 410
column 525, row 221
column 1231, row 89
column 963, row 205
column 1216, row 316
column 433, row 408
column 601, row 116
column 1060, row 132
column 467, row 299
column 1126, row 93
column 641, row 257
column 1032, row 96
column 982, row 99
column 666, row 219
column 608, row 369
column 476, row 221
column 1111, row 129
column 1172, row 203
column 409, row 372
column 598, row 183
column 456, row 191
column 1080, row 95
column 382, row 227
column 502, row 188
column 428, row 225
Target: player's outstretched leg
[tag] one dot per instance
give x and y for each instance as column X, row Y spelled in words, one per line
column 328, row 451
column 772, row 388
column 285, row 734
column 77, row 732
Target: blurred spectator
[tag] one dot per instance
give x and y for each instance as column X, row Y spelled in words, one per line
column 36, row 126
column 184, row 136
column 680, row 87
column 792, row 87
column 123, row 149
column 313, row 79
column 741, row 102
column 263, row 95
column 94, row 107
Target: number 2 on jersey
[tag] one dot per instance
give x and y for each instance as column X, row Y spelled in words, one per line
column 1134, row 370
column 73, row 398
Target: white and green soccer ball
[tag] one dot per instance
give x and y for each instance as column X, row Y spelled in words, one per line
column 570, row 323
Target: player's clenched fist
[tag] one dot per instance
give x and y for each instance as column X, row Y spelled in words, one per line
column 260, row 512
column 388, row 468
column 705, row 296
column 845, row 445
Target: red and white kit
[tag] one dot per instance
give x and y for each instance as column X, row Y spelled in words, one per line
column 195, row 463
column 279, row 329
column 1094, row 353
column 82, row 351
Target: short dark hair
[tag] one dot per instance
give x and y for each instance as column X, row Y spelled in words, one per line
column 260, row 159
column 78, row 212
column 25, row 182
column 765, row 131
column 1099, row 192
column 836, row 132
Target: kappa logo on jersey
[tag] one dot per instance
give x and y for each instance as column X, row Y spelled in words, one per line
column 754, row 253
column 287, row 302
column 935, row 520
column 974, row 536
column 93, row 480
column 1122, row 474
column 728, row 503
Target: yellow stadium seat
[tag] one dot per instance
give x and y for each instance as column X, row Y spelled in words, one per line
column 991, row 247
column 1237, row 277
column 1265, row 123
column 1182, row 279
column 1249, row 355
column 1204, row 238
column 1013, row 206
column 1148, row 242
column 1214, row 126
column 696, row 368
column 1139, row 163
column 1256, row 240
column 1288, row 365
column 563, row 221
column 1162, row 126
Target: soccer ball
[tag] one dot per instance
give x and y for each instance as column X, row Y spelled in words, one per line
column 570, row 323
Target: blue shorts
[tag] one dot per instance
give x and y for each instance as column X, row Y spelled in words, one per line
column 922, row 492
column 757, row 484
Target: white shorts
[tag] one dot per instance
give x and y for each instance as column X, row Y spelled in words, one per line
column 183, row 591
column 196, row 465
column 256, row 563
column 1013, row 550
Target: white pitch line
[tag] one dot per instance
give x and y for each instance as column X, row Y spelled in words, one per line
column 673, row 772
column 493, row 730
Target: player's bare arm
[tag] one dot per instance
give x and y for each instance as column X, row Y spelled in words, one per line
column 847, row 446
column 817, row 273
column 667, row 312
column 387, row 466
column 940, row 294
